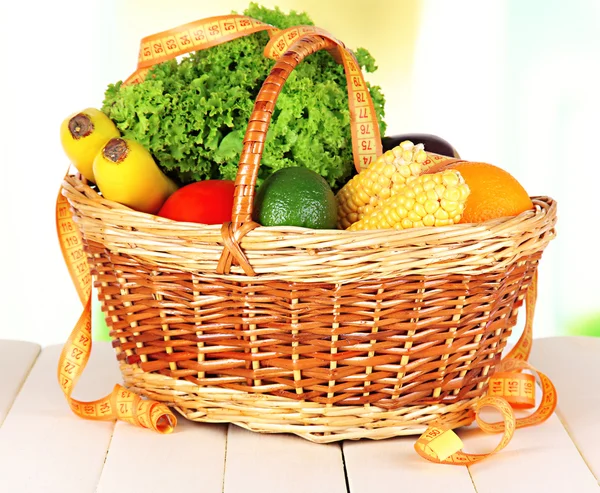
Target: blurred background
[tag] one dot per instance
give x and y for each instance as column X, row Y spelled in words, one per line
column 509, row 82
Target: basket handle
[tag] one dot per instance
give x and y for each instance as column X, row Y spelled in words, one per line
column 258, row 125
column 253, row 146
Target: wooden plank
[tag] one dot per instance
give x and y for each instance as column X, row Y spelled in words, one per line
column 43, row 445
column 538, row 458
column 141, row 460
column 16, row 360
column 393, row 464
column 573, row 365
column 279, row 463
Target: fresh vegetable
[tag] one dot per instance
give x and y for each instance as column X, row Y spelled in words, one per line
column 426, row 200
column 381, row 179
column 295, row 197
column 82, row 135
column 126, row 173
column 191, row 114
column 205, row 202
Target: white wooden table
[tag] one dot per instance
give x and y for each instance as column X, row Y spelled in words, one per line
column 44, row 448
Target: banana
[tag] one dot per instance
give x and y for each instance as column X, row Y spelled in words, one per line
column 126, row 172
column 82, row 135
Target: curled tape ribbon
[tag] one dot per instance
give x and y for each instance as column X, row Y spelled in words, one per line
column 121, row 404
column 508, row 389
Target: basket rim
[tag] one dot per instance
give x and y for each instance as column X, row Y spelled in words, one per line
column 296, row 253
column 76, row 189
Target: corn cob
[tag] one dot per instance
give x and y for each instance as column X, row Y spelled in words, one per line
column 427, row 200
column 380, row 180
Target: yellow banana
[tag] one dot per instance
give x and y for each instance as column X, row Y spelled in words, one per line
column 126, row 172
column 82, row 135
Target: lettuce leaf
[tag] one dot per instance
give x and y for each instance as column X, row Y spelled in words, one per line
column 191, row 113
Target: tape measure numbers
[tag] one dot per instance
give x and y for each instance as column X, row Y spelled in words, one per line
column 198, row 35
column 206, row 33
column 121, row 403
column 366, row 138
column 508, row 389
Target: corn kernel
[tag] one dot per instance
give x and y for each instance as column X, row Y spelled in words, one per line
column 413, row 216
column 450, row 179
column 449, row 205
column 441, row 214
column 420, row 210
column 452, row 194
column 415, row 168
column 389, row 170
column 439, row 190
column 421, row 156
column 432, row 195
column 431, row 206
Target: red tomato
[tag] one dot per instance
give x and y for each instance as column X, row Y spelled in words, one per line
column 206, row 202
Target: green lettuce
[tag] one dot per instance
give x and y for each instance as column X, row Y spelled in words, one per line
column 191, row 113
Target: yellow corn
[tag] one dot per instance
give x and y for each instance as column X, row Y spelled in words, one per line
column 380, row 180
column 427, row 200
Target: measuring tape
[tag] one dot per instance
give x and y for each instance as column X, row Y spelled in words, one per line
column 366, row 139
column 121, row 404
column 507, row 387
column 206, row 33
column 198, row 35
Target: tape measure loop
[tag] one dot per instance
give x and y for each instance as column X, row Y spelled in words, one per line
column 441, row 445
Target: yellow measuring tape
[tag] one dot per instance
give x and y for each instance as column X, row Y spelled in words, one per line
column 366, row 139
column 507, row 387
column 198, row 35
column 205, row 33
column 121, row 403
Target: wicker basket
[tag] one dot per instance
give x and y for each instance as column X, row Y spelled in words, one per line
column 326, row 334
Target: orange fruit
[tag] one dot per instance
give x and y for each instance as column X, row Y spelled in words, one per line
column 494, row 192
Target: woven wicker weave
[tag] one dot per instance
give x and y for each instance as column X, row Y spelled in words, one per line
column 327, row 334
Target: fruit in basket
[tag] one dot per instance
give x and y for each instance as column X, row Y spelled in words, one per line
column 191, row 113
column 295, row 196
column 436, row 199
column 126, row 173
column 82, row 135
column 205, row 202
column 381, row 179
column 494, row 193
